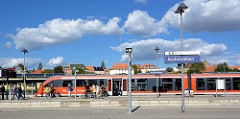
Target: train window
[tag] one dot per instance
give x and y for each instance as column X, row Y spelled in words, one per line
column 236, row 83
column 178, row 85
column 101, row 82
column 65, row 83
column 211, row 84
column 142, row 84
column 81, row 83
column 200, row 84
column 91, row 82
column 57, row 83
column 167, row 84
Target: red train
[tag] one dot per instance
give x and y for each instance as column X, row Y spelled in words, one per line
column 146, row 84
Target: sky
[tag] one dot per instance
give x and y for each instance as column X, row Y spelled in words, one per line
column 91, row 31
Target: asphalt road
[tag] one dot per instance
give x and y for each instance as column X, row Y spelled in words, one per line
column 122, row 112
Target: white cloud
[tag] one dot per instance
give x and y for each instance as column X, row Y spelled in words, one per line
column 56, row 61
column 144, row 49
column 141, row 24
column 59, row 31
column 206, row 15
column 8, row 45
column 10, row 62
column 141, row 1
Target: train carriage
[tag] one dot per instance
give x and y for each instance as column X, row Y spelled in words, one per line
column 146, row 84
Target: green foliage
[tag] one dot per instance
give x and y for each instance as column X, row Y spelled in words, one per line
column 58, row 69
column 136, row 70
column 222, row 67
column 21, row 66
column 235, row 70
column 47, row 71
column 103, row 65
column 40, row 66
column 196, row 68
column 169, row 69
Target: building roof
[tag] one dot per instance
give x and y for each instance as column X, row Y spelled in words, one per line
column 206, row 63
column 232, row 67
column 120, row 66
column 210, row 68
column 98, row 68
column 90, row 68
column 138, row 66
column 37, row 72
column 149, row 66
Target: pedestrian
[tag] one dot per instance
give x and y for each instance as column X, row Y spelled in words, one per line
column 15, row 92
column 103, row 90
column 2, row 90
column 94, row 91
column 87, row 90
column 47, row 90
column 97, row 90
column 69, row 89
column 19, row 91
column 52, row 88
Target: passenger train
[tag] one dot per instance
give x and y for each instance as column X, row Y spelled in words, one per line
column 146, row 84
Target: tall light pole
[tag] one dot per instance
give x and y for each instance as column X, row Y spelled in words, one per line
column 75, row 73
column 24, row 78
column 180, row 10
column 129, row 51
column 157, row 80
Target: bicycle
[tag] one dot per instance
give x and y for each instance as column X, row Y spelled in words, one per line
column 87, row 95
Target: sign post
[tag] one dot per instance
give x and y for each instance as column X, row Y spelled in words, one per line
column 181, row 58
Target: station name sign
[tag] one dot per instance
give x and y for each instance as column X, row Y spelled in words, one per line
column 182, row 57
column 157, row 72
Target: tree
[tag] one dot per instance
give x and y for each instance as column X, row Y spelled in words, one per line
column 40, row 66
column 235, row 70
column 58, row 69
column 103, row 65
column 21, row 66
column 222, row 67
column 196, row 68
column 169, row 69
column 47, row 71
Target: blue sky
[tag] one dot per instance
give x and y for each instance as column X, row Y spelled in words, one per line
column 89, row 32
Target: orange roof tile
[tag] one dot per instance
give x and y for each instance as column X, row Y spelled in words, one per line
column 37, row 72
column 210, row 68
column 146, row 66
column 120, row 66
column 232, row 67
column 90, row 68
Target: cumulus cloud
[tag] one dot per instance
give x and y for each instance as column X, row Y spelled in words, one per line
column 10, row 62
column 56, row 61
column 141, row 1
column 8, row 45
column 141, row 24
column 206, row 15
column 59, row 31
column 144, row 49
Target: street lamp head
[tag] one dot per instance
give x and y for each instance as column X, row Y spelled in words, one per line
column 128, row 50
column 24, row 50
column 181, row 8
column 156, row 49
column 74, row 68
column 77, row 71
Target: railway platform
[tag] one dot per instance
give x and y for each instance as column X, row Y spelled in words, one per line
column 120, row 101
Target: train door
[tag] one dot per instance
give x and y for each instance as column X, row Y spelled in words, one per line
column 124, row 86
column 117, row 87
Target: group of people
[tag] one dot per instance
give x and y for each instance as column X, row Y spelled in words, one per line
column 50, row 91
column 95, row 90
column 17, row 91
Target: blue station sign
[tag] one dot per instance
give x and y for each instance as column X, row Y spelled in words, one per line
column 181, row 59
column 157, row 72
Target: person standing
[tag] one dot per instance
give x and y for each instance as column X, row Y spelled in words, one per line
column 47, row 90
column 87, row 90
column 69, row 89
column 19, row 91
column 15, row 91
column 2, row 90
column 103, row 90
column 97, row 90
column 52, row 90
column 94, row 91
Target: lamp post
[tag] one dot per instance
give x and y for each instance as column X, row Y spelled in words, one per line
column 24, row 78
column 129, row 51
column 75, row 74
column 157, row 80
column 180, row 10
column 224, row 68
